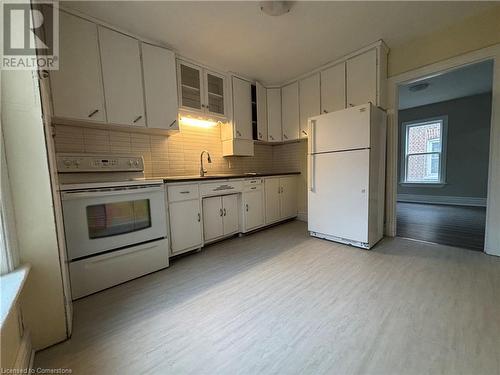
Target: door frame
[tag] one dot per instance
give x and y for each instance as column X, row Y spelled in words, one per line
column 492, row 235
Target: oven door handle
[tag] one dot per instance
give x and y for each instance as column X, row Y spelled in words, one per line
column 68, row 195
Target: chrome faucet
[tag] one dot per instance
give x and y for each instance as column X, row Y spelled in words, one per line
column 203, row 170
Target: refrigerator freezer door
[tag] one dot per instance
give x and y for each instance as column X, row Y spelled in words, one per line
column 338, row 194
column 341, row 130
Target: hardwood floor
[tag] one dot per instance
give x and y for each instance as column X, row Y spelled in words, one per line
column 281, row 302
column 459, row 226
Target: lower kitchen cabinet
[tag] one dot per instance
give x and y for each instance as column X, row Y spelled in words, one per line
column 197, row 216
column 253, row 208
column 185, row 225
column 272, row 201
column 281, row 198
column 288, row 197
column 220, row 216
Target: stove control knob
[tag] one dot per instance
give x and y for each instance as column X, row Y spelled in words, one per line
column 67, row 162
column 130, row 162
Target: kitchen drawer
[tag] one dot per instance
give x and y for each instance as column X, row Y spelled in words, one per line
column 103, row 271
column 253, row 181
column 182, row 192
column 252, row 188
column 221, row 188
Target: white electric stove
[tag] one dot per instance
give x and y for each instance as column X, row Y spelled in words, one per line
column 114, row 220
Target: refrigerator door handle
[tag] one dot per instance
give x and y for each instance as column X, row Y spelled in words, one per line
column 311, row 172
column 312, row 124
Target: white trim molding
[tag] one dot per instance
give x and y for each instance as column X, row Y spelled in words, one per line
column 492, row 235
column 442, row 199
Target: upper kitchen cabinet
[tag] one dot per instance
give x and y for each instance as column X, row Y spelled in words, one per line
column 309, row 101
column 290, row 111
column 356, row 80
column 261, row 97
column 274, row 115
column 77, row 91
column 237, row 135
column 215, row 94
column 190, row 90
column 160, row 87
column 122, row 76
column 242, row 108
column 200, row 90
column 333, row 88
column 362, row 79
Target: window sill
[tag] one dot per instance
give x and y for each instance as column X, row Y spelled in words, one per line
column 423, row 184
column 11, row 285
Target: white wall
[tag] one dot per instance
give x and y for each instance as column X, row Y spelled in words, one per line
column 26, row 154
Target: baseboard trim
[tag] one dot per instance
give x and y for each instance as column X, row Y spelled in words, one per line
column 25, row 354
column 449, row 200
column 302, row 216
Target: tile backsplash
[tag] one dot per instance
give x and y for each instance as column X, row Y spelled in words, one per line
column 179, row 153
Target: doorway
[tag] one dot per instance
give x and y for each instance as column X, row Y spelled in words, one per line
column 444, row 126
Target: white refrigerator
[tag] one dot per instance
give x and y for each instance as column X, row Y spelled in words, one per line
column 346, row 175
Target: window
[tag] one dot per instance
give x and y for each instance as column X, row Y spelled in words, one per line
column 8, row 241
column 423, row 147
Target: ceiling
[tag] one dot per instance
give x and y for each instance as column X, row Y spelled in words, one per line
column 238, row 37
column 471, row 80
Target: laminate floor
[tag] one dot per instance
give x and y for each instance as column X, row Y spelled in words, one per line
column 281, row 302
column 459, row 226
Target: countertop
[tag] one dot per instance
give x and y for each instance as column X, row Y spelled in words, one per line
column 218, row 176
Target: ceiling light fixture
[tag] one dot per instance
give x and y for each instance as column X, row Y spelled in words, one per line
column 275, row 8
column 419, row 87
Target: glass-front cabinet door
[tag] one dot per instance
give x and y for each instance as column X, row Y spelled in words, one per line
column 215, row 84
column 201, row 90
column 190, row 87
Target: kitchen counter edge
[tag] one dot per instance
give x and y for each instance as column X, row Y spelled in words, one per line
column 215, row 177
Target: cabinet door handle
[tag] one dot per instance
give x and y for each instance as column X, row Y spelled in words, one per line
column 253, row 188
column 220, row 212
column 303, row 131
column 351, row 105
column 224, row 212
column 260, row 135
column 284, row 136
column 199, row 217
column 93, row 112
column 325, row 111
column 238, row 133
column 271, row 137
column 172, row 124
column 185, row 192
column 246, row 207
column 137, row 119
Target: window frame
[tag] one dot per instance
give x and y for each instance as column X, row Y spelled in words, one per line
column 404, row 155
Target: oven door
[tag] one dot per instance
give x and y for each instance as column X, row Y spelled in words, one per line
column 105, row 219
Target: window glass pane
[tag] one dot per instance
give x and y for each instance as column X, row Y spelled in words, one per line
column 423, row 168
column 424, row 138
column 112, row 219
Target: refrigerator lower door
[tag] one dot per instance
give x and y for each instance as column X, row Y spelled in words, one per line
column 338, row 196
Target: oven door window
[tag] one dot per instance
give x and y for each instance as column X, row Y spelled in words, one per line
column 112, row 219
